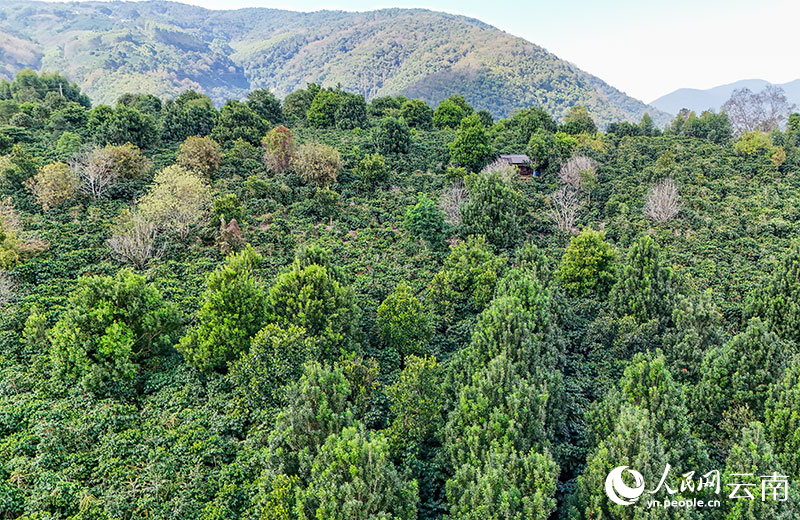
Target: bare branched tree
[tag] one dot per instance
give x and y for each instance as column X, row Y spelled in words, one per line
column 663, row 202
column 575, row 171
column 134, row 239
column 506, row 171
column 765, row 110
column 564, row 207
column 96, row 169
column 451, row 201
column 7, row 289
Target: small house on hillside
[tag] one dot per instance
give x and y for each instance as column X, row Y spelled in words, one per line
column 521, row 161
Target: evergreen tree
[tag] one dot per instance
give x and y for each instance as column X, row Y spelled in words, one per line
column 588, row 265
column 779, row 302
column 493, row 209
column 231, row 313
column 471, row 147
column 646, row 287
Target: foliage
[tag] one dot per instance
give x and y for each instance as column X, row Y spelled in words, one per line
column 392, row 136
column 200, row 155
column 54, row 184
column 493, row 209
column 111, row 327
column 231, row 313
column 426, row 221
column 588, row 266
column 278, row 149
column 372, row 169
column 646, row 287
column 403, row 323
column 317, row 164
column 178, row 200
column 470, row 148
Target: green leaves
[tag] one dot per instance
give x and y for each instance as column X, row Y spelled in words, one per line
column 231, row 313
column 110, row 329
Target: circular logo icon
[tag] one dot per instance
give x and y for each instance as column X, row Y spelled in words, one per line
column 620, row 493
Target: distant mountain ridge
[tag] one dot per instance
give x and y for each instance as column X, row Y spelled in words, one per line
column 699, row 100
column 166, row 47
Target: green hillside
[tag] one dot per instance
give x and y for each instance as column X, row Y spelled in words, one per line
column 207, row 315
column 164, row 48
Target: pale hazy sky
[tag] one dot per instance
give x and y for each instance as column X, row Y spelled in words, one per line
column 645, row 48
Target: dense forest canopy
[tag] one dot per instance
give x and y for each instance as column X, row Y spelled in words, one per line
column 164, row 48
column 324, row 307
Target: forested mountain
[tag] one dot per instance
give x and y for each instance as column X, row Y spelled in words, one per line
column 699, row 100
column 163, row 48
column 323, row 308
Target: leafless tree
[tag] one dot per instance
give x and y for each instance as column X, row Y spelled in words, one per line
column 575, row 171
column 7, row 289
column 134, row 239
column 96, row 169
column 564, row 207
column 663, row 202
column 763, row 111
column 506, row 171
column 451, row 201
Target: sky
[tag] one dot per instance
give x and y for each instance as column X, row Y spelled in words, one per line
column 645, row 48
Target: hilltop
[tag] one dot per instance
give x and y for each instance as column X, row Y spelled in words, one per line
column 164, row 48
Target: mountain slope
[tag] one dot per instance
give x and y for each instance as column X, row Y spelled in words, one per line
column 713, row 98
column 165, row 47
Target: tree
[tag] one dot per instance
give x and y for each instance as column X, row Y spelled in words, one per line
column 95, row 167
column 317, row 407
column 646, row 287
column 351, row 113
column 133, row 239
column 754, row 455
column 453, row 197
column 178, row 200
column 278, row 149
column 122, row 125
column 392, row 136
column 779, row 301
column 110, row 328
column 426, row 221
column 265, row 105
column 588, row 266
column 578, row 121
column 417, row 114
column 451, row 111
column 416, row 402
column 663, row 202
column 238, row 121
column 493, row 209
column 471, row 146
column 310, row 297
column 53, row 184
column 317, row 164
column 353, row 477
column 275, row 359
column 231, row 312
column 578, row 173
column 200, row 155
column 188, row 115
column 738, row 374
column 372, row 169
column 322, row 111
column 764, row 111
column 467, row 280
column 297, row 103
column 782, row 419
column 403, row 322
